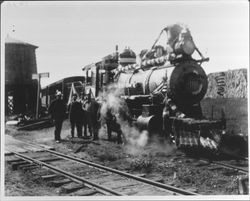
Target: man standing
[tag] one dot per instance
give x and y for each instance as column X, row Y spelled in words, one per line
column 84, row 114
column 57, row 109
column 91, row 108
column 112, row 125
column 75, row 116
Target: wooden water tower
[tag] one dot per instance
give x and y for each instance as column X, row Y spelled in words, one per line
column 20, row 89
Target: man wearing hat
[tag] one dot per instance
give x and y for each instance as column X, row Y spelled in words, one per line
column 57, row 109
column 75, row 116
column 91, row 108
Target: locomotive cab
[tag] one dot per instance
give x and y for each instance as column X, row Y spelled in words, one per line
column 99, row 75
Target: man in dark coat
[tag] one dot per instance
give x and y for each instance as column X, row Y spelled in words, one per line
column 57, row 109
column 86, row 105
column 112, row 125
column 95, row 118
column 75, row 116
column 91, row 108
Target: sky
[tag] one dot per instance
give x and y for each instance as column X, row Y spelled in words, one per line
column 70, row 35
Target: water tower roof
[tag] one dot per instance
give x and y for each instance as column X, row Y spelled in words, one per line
column 10, row 40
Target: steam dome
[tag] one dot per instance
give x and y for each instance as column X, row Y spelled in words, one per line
column 127, row 57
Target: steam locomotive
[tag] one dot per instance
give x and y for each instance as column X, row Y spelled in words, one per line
column 163, row 90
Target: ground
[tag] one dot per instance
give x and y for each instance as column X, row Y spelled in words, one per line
column 158, row 160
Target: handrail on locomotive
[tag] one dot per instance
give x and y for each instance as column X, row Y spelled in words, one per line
column 179, row 41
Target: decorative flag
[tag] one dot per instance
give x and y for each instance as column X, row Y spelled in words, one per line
column 72, row 91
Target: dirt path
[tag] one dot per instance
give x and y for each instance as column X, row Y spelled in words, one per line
column 158, row 161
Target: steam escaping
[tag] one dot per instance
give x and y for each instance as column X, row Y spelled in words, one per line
column 135, row 140
column 133, row 136
column 111, row 100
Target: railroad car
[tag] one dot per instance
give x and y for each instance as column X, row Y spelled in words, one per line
column 163, row 90
column 64, row 85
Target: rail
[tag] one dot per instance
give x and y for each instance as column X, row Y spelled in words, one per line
column 66, row 174
column 230, row 166
column 125, row 174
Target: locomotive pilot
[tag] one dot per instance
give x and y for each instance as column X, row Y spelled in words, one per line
column 170, row 109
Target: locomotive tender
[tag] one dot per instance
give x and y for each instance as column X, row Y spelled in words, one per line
column 163, row 91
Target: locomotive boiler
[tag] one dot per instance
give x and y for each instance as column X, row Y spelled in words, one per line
column 185, row 83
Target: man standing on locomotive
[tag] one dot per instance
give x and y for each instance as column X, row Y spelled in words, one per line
column 75, row 116
column 57, row 109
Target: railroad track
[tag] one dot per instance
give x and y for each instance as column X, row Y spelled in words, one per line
column 239, row 164
column 230, row 166
column 104, row 180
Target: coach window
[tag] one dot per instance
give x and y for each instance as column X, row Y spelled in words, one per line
column 102, row 77
column 89, row 73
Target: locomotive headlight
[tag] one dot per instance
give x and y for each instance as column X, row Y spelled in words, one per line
column 188, row 83
column 188, row 47
column 193, row 84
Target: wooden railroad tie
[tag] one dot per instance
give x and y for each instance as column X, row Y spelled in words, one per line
column 22, row 163
column 58, row 183
column 72, row 188
column 50, row 177
column 88, row 192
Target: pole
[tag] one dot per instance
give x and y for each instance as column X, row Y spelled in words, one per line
column 38, row 97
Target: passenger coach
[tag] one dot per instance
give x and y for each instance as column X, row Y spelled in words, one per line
column 65, row 86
